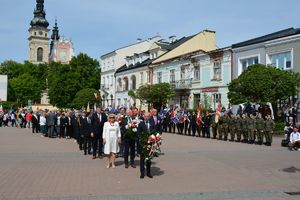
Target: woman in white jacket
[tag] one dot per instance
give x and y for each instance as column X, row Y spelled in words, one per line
column 111, row 139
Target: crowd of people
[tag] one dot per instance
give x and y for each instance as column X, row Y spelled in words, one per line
column 104, row 131
column 100, row 133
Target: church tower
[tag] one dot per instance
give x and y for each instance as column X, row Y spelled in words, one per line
column 39, row 36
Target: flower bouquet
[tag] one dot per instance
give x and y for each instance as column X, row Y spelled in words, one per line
column 131, row 129
column 151, row 142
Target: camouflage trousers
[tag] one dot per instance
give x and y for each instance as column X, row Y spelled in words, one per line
column 251, row 135
column 268, row 136
column 214, row 131
column 260, row 135
column 232, row 133
column 239, row 134
column 245, row 134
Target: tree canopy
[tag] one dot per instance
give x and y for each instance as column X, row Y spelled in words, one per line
column 155, row 95
column 64, row 81
column 261, row 84
column 83, row 97
column 28, row 81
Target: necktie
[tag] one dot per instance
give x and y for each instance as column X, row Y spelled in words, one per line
column 148, row 125
column 155, row 120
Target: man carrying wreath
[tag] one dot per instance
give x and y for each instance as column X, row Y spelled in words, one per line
column 144, row 128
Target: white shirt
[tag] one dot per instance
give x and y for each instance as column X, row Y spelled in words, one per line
column 42, row 121
column 295, row 136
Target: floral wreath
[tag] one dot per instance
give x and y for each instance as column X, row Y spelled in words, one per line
column 150, row 142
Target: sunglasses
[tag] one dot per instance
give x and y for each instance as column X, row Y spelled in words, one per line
column 111, row 117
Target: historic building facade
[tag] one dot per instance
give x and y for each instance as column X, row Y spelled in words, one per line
column 114, row 60
column 39, row 35
column 280, row 49
column 196, row 70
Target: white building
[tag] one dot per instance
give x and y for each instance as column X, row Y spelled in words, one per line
column 112, row 61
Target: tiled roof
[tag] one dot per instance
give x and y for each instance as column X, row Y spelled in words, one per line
column 272, row 36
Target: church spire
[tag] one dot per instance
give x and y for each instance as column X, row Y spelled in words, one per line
column 39, row 15
column 55, row 35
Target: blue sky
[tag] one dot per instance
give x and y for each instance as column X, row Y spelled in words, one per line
column 99, row 26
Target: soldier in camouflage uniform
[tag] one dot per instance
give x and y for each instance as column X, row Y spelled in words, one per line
column 232, row 127
column 269, row 126
column 244, row 128
column 220, row 127
column 214, row 126
column 225, row 126
column 251, row 128
column 238, row 126
column 260, row 126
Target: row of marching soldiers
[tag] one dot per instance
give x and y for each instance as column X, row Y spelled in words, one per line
column 245, row 128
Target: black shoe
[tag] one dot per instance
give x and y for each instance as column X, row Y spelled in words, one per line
column 85, row 153
column 142, row 176
column 231, row 140
column 126, row 165
column 149, row 175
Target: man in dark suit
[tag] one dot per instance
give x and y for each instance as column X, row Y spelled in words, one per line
column 145, row 126
column 157, row 121
column 129, row 143
column 86, row 133
column 98, row 119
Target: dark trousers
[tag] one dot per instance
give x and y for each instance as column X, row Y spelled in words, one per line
column 193, row 128
column 87, row 144
column 62, row 132
column 69, row 131
column 186, row 128
column 97, row 145
column 142, row 165
column 80, row 139
column 129, row 146
column 206, row 132
column 35, row 127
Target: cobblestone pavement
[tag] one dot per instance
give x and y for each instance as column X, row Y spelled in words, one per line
column 34, row 168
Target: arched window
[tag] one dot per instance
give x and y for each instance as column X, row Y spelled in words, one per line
column 133, row 82
column 119, row 87
column 125, row 83
column 40, row 54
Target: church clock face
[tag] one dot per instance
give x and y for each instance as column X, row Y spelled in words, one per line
column 41, row 32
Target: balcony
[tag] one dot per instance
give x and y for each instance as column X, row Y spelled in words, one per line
column 182, row 84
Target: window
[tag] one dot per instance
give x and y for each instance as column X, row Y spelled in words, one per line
column 111, row 80
column 119, row 88
column 248, row 61
column 172, row 76
column 282, row 60
column 197, row 99
column 119, row 102
column 182, row 73
column 103, row 83
column 217, row 70
column 40, row 54
column 148, row 76
column 217, row 99
column 125, row 83
column 159, row 77
column 133, row 82
column 197, row 73
column 142, row 78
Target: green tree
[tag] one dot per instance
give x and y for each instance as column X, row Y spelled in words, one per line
column 25, row 87
column 83, row 97
column 155, row 95
column 64, row 81
column 261, row 84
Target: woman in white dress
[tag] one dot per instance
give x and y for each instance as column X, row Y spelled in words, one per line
column 111, row 139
